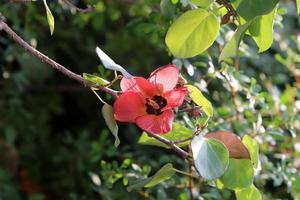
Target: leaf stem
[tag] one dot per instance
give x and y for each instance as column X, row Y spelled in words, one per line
column 170, row 143
column 98, row 96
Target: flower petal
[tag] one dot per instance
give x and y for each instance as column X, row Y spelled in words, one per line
column 175, row 97
column 165, row 78
column 138, row 84
column 128, row 107
column 156, row 123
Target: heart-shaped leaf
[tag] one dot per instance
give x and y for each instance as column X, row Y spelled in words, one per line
column 211, row 157
column 233, row 143
column 192, row 33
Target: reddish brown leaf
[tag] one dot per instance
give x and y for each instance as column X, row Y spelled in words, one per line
column 233, row 143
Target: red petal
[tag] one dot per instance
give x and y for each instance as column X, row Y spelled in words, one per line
column 156, row 123
column 175, row 97
column 165, row 78
column 138, row 84
column 129, row 106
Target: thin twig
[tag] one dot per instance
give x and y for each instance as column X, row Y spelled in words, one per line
column 44, row 58
column 82, row 10
column 170, row 143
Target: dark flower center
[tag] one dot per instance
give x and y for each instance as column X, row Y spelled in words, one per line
column 154, row 105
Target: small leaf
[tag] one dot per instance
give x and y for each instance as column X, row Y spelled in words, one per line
column 50, row 18
column 108, row 115
column 239, row 174
column 179, row 132
column 263, row 36
column 108, row 63
column 211, row 157
column 200, row 100
column 249, row 193
column 95, row 79
column 253, row 149
column 233, row 143
column 192, row 33
column 165, row 173
column 231, row 48
column 298, row 6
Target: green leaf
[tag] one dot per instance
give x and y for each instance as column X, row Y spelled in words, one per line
column 108, row 115
column 263, row 31
column 231, row 48
column 50, row 17
column 211, row 157
column 202, row 3
column 249, row 193
column 192, row 33
column 200, row 100
column 253, row 149
column 238, row 175
column 95, row 79
column 165, row 173
column 251, row 9
column 179, row 132
column 298, row 6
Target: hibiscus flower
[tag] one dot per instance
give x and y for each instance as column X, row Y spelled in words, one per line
column 149, row 102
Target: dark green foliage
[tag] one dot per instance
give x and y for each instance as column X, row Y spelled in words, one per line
column 55, row 125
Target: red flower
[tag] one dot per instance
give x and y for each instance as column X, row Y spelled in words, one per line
column 149, row 102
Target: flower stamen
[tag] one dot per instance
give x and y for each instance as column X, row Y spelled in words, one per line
column 154, row 105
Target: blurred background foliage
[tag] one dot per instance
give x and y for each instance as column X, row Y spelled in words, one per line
column 54, row 143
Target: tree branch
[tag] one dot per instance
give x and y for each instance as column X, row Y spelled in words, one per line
column 44, row 58
column 82, row 10
column 170, row 143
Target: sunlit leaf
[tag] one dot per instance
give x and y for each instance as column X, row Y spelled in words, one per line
column 202, row 3
column 108, row 115
column 108, row 63
column 200, row 100
column 50, row 17
column 211, row 157
column 239, row 174
column 233, row 143
column 165, row 173
column 248, row 193
column 263, row 33
column 298, row 6
column 179, row 132
column 192, row 33
column 95, row 79
column 231, row 48
column 253, row 149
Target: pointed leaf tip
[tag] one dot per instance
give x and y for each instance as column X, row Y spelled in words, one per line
column 50, row 17
column 108, row 115
column 108, row 63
